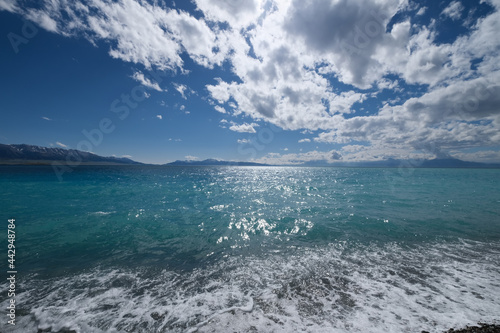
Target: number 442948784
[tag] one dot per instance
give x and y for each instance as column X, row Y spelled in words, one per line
column 12, row 248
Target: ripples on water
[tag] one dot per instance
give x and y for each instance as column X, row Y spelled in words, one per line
column 256, row 249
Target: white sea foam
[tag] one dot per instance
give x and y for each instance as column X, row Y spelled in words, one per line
column 339, row 288
column 102, row 213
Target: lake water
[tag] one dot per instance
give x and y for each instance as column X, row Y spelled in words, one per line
column 252, row 249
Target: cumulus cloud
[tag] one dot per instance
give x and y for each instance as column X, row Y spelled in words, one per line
column 238, row 13
column 296, row 47
column 348, row 34
column 159, row 116
column 284, row 86
column 310, row 65
column 462, row 115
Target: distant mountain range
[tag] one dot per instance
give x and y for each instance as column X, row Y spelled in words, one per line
column 394, row 163
column 212, row 161
column 28, row 154
column 389, row 163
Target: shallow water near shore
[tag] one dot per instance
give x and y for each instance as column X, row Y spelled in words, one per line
column 253, row 249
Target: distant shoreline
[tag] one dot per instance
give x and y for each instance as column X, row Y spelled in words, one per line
column 23, row 154
column 49, row 163
column 77, row 164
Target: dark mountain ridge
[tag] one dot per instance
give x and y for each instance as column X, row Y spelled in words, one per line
column 29, row 154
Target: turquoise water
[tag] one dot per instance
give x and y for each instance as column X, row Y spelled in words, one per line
column 253, row 249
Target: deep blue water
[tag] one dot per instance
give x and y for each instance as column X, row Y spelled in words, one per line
column 253, row 249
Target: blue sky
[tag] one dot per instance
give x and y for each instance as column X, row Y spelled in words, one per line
column 270, row 81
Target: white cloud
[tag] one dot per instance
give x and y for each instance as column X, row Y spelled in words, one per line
column 9, row 5
column 159, row 116
column 181, row 88
column 243, row 128
column 137, row 31
column 454, row 10
column 347, row 35
column 358, row 153
column 287, row 56
column 127, row 156
column 285, row 83
column 191, row 158
column 352, row 153
column 139, row 76
column 304, row 140
column 220, row 91
column 242, row 141
column 183, row 108
column 219, row 109
column 46, row 118
column 61, row 144
column 140, row 31
column 387, row 84
column 238, row 13
column 300, row 158
column 43, row 19
column 421, row 11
